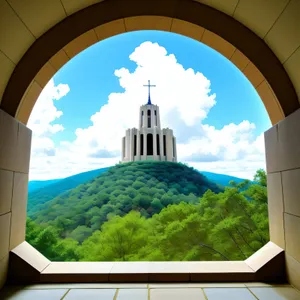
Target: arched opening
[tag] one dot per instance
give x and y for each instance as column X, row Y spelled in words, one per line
column 134, row 145
column 142, row 118
column 233, row 46
column 267, row 88
column 142, row 144
column 149, row 118
column 81, row 228
column 149, row 144
column 165, row 145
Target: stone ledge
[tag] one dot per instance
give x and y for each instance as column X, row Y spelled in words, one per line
column 147, row 272
column 29, row 263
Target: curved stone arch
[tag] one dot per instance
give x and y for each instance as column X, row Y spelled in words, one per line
column 60, row 43
column 108, row 18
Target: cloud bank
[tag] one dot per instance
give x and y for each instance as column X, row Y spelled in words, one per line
column 185, row 99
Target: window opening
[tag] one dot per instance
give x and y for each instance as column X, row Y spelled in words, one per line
column 142, row 144
column 149, row 118
column 149, row 144
column 134, row 145
column 157, row 145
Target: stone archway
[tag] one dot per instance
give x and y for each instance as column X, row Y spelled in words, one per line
column 274, row 77
column 84, row 28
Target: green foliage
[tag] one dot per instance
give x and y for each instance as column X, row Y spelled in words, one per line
column 261, row 177
column 78, row 212
column 40, row 192
column 47, row 241
column 81, row 233
column 119, row 239
column 153, row 212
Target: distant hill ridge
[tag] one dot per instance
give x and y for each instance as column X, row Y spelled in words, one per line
column 221, row 179
column 40, row 192
column 70, row 182
column 34, row 185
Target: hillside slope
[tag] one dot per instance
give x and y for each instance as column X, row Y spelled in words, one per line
column 34, row 185
column 221, row 179
column 51, row 188
column 40, row 192
column 146, row 187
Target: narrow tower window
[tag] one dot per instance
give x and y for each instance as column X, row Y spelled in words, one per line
column 155, row 118
column 157, row 145
column 142, row 144
column 165, row 145
column 142, row 118
column 149, row 118
column 149, row 144
column 134, row 145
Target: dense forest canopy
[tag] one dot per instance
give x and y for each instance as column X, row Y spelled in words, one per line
column 40, row 192
column 152, row 211
column 146, row 187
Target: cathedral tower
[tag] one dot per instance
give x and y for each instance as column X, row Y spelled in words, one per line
column 149, row 141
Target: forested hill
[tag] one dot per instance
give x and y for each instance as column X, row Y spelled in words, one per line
column 227, row 225
column 34, row 185
column 40, row 192
column 221, row 179
column 146, row 187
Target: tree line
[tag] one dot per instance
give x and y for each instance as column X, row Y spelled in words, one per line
column 227, row 224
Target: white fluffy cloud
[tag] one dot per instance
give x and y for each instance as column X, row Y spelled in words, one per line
column 184, row 98
column 43, row 115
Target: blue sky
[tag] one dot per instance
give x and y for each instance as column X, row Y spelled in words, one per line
column 89, row 79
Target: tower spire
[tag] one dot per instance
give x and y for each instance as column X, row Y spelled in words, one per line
column 149, row 86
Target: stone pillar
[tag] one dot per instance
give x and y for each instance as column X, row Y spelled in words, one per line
column 15, row 141
column 161, row 145
column 138, row 145
column 131, row 136
column 154, row 144
column 282, row 143
column 158, row 118
column 145, row 123
column 140, row 118
column 169, row 141
column 175, row 149
column 152, row 117
column 127, row 145
column 123, row 148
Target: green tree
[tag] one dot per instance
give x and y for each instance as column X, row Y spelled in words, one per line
column 167, row 212
column 81, row 233
column 119, row 239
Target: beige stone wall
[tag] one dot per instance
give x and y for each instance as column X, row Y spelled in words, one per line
column 275, row 22
column 15, row 140
column 283, row 167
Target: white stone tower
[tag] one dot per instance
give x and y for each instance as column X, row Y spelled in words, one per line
column 149, row 141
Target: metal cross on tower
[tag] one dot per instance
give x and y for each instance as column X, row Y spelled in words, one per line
column 149, row 86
